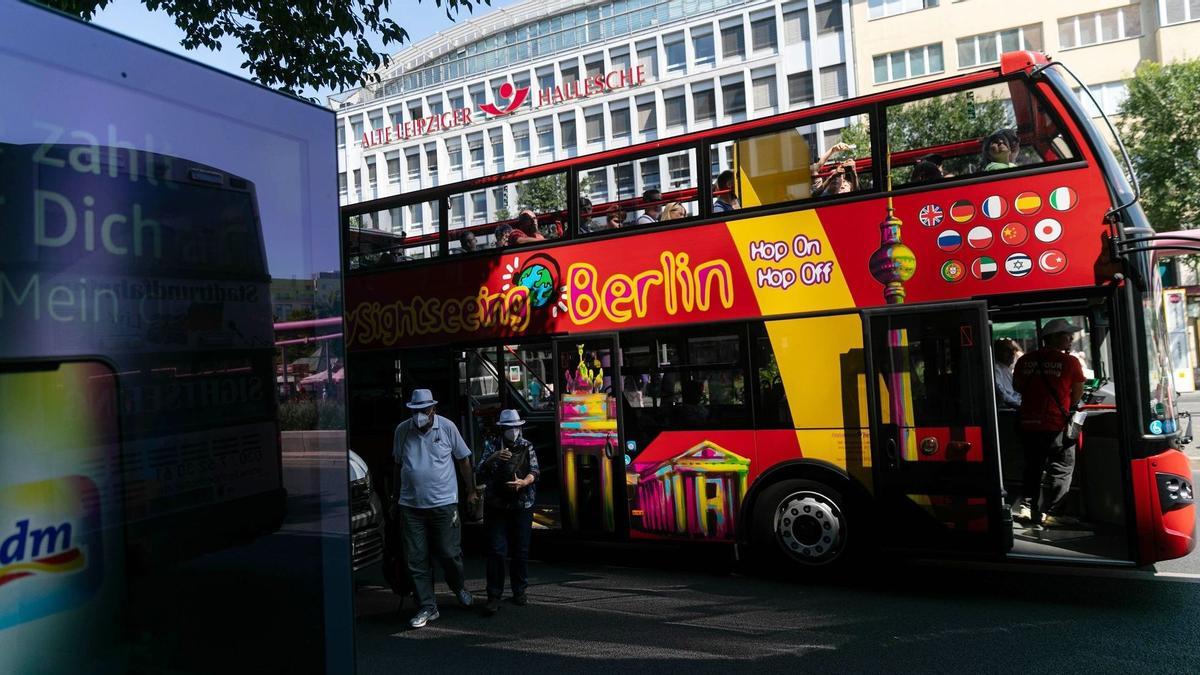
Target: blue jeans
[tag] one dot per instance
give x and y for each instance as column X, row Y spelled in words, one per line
column 437, row 528
column 508, row 536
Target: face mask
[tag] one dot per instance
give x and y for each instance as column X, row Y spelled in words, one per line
column 511, row 435
column 422, row 419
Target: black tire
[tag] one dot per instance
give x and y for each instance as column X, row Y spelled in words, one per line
column 802, row 523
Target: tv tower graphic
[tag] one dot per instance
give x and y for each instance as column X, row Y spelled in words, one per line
column 892, row 263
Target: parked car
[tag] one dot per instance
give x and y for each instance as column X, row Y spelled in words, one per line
column 366, row 517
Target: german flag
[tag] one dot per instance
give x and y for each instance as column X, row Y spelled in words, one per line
column 962, row 211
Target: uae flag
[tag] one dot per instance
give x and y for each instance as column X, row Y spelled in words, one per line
column 994, row 207
column 1063, row 199
column 1047, row 230
column 979, row 237
column 953, row 270
column 1027, row 203
column 1014, row 234
column 949, row 240
column 962, row 211
column 1052, row 261
column 984, row 268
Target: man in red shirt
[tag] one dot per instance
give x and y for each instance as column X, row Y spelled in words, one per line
column 1050, row 382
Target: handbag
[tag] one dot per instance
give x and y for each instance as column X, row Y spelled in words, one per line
column 1073, row 422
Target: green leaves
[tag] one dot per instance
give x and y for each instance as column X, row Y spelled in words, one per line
column 1160, row 125
column 289, row 46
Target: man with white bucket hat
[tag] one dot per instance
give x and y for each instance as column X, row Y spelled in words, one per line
column 427, row 449
column 509, row 469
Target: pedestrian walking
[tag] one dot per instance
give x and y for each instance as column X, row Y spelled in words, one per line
column 431, row 458
column 509, row 469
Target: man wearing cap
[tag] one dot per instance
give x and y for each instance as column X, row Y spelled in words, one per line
column 427, row 449
column 509, row 469
column 1050, row 382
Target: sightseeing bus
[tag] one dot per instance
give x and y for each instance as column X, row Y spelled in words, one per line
column 135, row 296
column 785, row 343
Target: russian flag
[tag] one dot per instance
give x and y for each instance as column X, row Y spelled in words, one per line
column 949, row 240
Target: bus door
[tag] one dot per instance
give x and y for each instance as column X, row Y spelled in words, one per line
column 589, row 438
column 936, row 467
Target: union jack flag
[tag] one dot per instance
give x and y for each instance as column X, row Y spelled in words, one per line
column 931, row 215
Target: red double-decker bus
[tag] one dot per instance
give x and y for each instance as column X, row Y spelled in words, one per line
column 794, row 353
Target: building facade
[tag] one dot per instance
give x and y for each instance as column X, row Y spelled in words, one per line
column 903, row 42
column 541, row 81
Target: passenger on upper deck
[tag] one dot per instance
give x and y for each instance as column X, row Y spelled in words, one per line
column 651, row 198
column 467, row 243
column 928, row 169
column 586, row 224
column 726, row 197
column 504, row 235
column 674, row 211
column 841, row 180
column 1000, row 150
column 614, row 220
column 526, row 229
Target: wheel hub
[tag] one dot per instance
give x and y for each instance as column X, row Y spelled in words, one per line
column 809, row 527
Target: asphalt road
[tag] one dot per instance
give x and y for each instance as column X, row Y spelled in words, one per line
column 618, row 609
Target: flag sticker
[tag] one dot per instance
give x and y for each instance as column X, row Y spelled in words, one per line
column 979, row 237
column 994, row 207
column 1027, row 203
column 984, row 268
column 1063, row 199
column 949, row 240
column 952, row 271
column 1018, row 265
column 1014, row 234
column 931, row 215
column 962, row 211
column 1047, row 230
column 1052, row 261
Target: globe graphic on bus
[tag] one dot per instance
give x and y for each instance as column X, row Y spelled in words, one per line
column 540, row 284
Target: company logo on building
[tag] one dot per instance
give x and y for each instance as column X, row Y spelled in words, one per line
column 515, row 98
column 512, row 98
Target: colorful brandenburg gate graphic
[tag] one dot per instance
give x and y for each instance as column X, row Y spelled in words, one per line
column 695, row 493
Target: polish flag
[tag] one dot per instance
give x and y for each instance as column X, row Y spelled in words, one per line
column 979, row 237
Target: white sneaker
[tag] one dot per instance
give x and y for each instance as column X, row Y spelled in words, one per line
column 1020, row 511
column 424, row 616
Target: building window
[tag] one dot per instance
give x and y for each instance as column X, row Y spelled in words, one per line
column 795, row 25
column 457, row 215
column 597, row 182
column 478, row 94
column 435, row 104
column 620, row 120
column 415, row 110
column 679, row 171
column 703, row 48
column 1096, row 27
column 342, row 183
column 357, row 174
column 1178, row 11
column 619, row 56
column 377, row 120
column 496, row 138
column 545, row 77
column 413, row 160
column 416, row 215
column 475, row 149
column 570, row 71
column 456, row 99
column 593, row 122
column 454, row 152
column 704, row 102
column 393, row 168
column 341, row 135
column 649, row 171
column 676, row 53
column 356, row 125
column 977, row 50
column 733, row 95
column 833, row 82
column 431, row 161
column 877, row 9
column 623, row 175
column 479, row 210
column 647, row 119
column 765, row 96
column 733, row 40
column 647, row 54
column 520, row 134
column 545, row 135
column 829, row 17
column 1110, row 95
column 566, row 125
column 800, row 89
column 908, row 63
column 396, row 114
column 676, row 108
column 762, row 33
column 594, row 64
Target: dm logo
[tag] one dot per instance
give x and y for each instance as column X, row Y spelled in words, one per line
column 514, row 96
column 50, row 548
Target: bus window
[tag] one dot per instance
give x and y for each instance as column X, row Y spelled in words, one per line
column 985, row 129
column 633, row 193
column 821, row 160
column 771, row 404
column 509, row 214
column 391, row 236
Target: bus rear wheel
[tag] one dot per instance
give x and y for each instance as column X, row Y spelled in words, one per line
column 802, row 522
